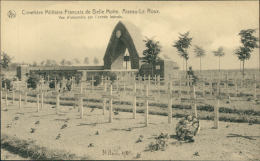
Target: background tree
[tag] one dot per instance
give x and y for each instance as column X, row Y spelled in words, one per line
column 219, row 53
column 86, row 60
column 54, row 63
column 34, row 64
column 76, row 61
column 42, row 63
column 5, row 60
column 69, row 63
column 96, row 61
column 152, row 51
column 199, row 53
column 48, row 63
column 182, row 46
column 249, row 43
column 63, row 62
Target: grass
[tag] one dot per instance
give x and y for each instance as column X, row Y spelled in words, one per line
column 28, row 149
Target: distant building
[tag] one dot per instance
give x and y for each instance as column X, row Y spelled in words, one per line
column 123, row 54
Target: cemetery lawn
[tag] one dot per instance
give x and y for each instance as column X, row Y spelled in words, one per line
column 46, row 135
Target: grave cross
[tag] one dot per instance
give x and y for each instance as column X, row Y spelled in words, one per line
column 255, row 82
column 80, row 97
column 159, row 84
column 22, row 90
column 92, row 84
column 193, row 100
column 6, row 91
column 110, row 97
column 42, row 91
column 102, row 79
column 37, row 92
column 189, row 83
column 63, row 82
column 135, row 94
column 48, row 78
column 170, row 95
column 14, row 88
column 140, row 83
column 146, row 98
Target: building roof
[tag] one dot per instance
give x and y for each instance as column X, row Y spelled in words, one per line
column 68, row 68
column 136, row 35
column 173, row 64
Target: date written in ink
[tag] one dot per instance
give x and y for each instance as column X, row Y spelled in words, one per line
column 116, row 152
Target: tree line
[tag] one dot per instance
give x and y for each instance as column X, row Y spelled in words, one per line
column 243, row 52
column 6, row 62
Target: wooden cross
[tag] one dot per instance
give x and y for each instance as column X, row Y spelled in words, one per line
column 159, row 85
column 189, row 83
column 37, row 92
column 226, row 84
column 63, row 82
column 170, row 95
column 22, row 90
column 179, row 80
column 80, row 97
column 102, row 80
column 140, row 83
column 146, row 98
column 41, row 90
column 73, row 81
column 110, row 97
column 6, row 91
column 20, row 95
column 135, row 94
column 48, row 78
column 255, row 82
column 92, row 84
column 193, row 100
column 15, row 87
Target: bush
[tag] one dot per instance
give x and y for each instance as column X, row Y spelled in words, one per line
column 112, row 77
column 98, row 80
column 68, row 85
column 52, row 84
column 8, row 83
column 32, row 80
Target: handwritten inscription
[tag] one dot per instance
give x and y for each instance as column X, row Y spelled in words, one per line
column 116, row 152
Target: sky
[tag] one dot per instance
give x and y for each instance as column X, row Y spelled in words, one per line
column 211, row 24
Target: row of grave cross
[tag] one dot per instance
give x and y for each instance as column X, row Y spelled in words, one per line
column 137, row 95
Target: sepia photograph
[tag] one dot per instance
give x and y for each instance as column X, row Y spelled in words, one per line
column 130, row 80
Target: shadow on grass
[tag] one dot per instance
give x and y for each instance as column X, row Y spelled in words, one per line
column 19, row 113
column 91, row 124
column 246, row 137
column 65, row 120
column 125, row 129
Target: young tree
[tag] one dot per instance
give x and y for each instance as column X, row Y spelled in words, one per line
column 86, row 60
column 249, row 43
column 152, row 51
column 96, row 61
column 219, row 53
column 199, row 53
column 182, row 46
column 5, row 60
